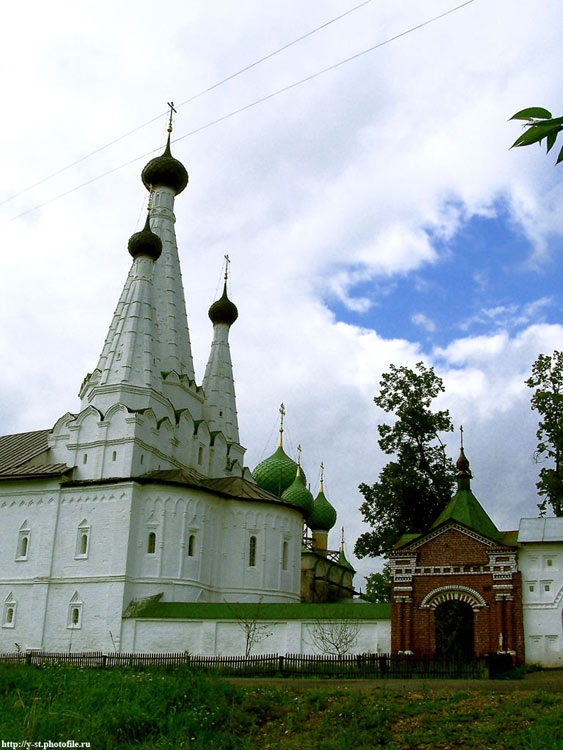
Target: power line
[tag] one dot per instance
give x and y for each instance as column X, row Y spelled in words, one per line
column 186, row 101
column 249, row 106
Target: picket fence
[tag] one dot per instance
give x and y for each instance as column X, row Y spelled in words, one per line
column 269, row 665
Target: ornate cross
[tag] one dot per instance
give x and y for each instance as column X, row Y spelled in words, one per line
column 227, row 261
column 322, row 476
column 282, row 415
column 461, row 433
column 172, row 109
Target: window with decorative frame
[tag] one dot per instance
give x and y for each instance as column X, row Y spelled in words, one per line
column 24, row 535
column 82, row 540
column 9, row 614
column 191, row 545
column 74, row 618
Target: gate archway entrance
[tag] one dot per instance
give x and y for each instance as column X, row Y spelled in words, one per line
column 454, row 628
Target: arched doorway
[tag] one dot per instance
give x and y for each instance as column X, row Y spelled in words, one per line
column 454, row 628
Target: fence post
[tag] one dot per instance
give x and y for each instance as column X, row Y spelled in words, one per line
column 104, row 660
column 28, row 658
column 280, row 664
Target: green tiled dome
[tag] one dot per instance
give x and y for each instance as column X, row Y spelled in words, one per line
column 276, row 473
column 323, row 516
column 297, row 494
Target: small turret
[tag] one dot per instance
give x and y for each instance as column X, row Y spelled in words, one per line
column 297, row 493
column 322, row 519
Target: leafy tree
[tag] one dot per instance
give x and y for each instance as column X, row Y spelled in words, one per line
column 547, row 379
column 417, row 485
column 540, row 125
column 378, row 585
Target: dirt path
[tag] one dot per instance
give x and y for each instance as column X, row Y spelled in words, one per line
column 550, row 680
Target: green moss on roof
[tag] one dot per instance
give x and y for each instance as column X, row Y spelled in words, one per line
column 226, row 611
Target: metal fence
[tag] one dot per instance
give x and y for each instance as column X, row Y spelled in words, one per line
column 374, row 666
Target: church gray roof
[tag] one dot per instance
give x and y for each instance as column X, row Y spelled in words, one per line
column 17, row 450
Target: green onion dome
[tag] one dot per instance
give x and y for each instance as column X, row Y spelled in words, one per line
column 223, row 311
column 165, row 171
column 145, row 242
column 297, row 494
column 323, row 516
column 276, row 473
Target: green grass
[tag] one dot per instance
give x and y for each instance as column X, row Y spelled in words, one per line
column 177, row 709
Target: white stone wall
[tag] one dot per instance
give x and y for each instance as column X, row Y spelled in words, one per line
column 86, row 549
column 227, row 637
column 541, row 565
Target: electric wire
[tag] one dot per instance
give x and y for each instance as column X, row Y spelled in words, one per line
column 186, row 101
column 247, row 107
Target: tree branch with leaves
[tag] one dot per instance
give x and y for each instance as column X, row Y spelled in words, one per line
column 540, row 126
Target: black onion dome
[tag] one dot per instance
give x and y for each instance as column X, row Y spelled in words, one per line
column 223, row 311
column 165, row 171
column 145, row 242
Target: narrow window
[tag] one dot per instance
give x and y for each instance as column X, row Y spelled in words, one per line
column 532, row 587
column 252, row 552
column 549, row 563
column 9, row 617
column 151, row 545
column 82, row 539
column 142, row 458
column 191, row 545
column 23, row 546
column 75, row 612
column 85, row 458
column 284, row 556
column 547, row 587
column 114, row 456
column 200, row 454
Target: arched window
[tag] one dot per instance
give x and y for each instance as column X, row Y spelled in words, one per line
column 252, row 552
column 85, row 458
column 284, row 556
column 9, row 618
column 74, row 619
column 151, row 544
column 200, row 455
column 191, row 545
column 23, row 542
column 114, row 456
column 82, row 539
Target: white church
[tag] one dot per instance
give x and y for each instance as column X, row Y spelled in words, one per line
column 141, row 502
column 133, row 525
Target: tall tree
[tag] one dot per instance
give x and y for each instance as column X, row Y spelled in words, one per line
column 547, row 400
column 414, row 487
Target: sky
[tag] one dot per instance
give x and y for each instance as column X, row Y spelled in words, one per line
column 373, row 214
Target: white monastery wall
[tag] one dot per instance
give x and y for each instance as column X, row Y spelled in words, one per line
column 227, row 637
column 541, row 565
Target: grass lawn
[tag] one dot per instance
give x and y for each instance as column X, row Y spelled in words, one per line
column 178, row 709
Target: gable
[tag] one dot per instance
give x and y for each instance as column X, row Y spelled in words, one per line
column 453, row 545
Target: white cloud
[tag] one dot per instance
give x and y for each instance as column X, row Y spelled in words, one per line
column 422, row 320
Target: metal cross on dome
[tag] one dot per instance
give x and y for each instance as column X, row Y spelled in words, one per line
column 227, row 261
column 172, row 110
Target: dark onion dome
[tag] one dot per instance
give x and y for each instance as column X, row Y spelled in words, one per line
column 145, row 242
column 297, row 494
column 462, row 465
column 323, row 516
column 276, row 473
column 165, row 171
column 223, row 311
